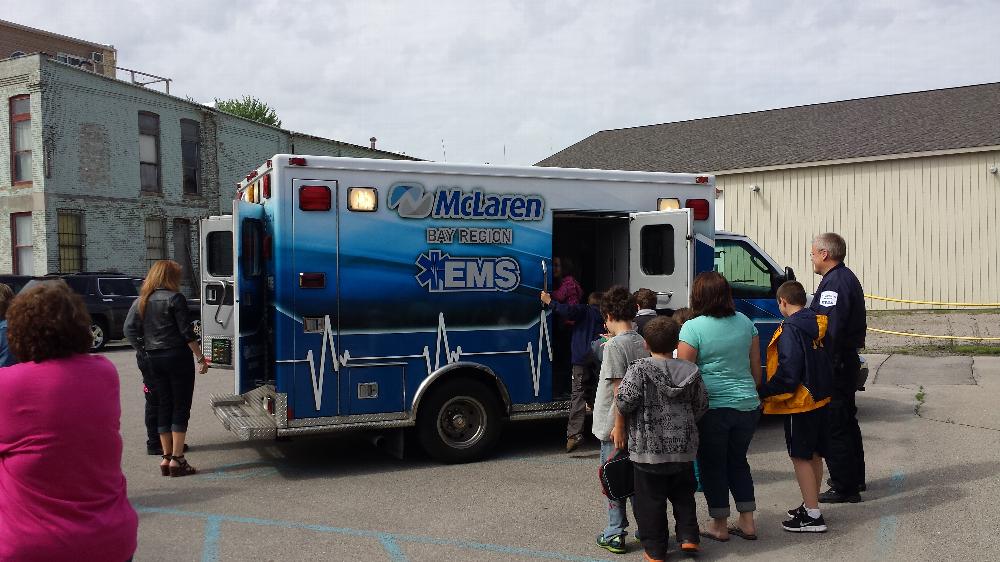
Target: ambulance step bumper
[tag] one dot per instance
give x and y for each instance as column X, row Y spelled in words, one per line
column 247, row 421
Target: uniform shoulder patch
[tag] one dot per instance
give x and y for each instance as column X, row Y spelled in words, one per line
column 828, row 298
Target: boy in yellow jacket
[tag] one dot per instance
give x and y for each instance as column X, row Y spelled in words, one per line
column 798, row 384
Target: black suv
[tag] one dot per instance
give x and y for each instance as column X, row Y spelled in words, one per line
column 108, row 297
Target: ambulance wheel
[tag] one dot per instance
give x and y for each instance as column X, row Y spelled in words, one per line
column 459, row 421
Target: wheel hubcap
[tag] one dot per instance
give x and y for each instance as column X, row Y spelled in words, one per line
column 98, row 335
column 462, row 422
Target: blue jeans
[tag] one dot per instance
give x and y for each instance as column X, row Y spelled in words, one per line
column 724, row 438
column 617, row 515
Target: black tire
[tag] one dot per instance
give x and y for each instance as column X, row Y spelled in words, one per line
column 459, row 421
column 99, row 328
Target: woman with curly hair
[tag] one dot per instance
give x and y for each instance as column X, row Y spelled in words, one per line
column 157, row 325
column 64, row 494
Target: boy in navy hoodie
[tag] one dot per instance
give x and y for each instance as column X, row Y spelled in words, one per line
column 799, row 383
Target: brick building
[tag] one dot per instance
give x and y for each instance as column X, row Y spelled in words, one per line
column 18, row 40
column 106, row 175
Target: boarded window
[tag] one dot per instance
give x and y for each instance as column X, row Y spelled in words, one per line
column 20, row 139
column 191, row 156
column 182, row 254
column 71, row 242
column 149, row 151
column 21, row 244
column 657, row 246
column 156, row 241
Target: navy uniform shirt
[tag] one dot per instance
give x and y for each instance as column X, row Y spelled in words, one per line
column 840, row 296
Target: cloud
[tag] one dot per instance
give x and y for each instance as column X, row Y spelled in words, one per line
column 514, row 81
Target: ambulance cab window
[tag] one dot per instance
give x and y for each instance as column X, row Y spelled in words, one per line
column 220, row 254
column 747, row 271
column 657, row 249
column 250, row 246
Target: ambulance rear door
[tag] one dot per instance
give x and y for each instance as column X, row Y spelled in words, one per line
column 661, row 255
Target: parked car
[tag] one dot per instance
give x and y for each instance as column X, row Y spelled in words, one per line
column 108, row 297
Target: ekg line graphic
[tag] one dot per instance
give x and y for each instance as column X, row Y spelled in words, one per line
column 441, row 345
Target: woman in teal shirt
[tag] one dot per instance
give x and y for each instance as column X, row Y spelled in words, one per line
column 725, row 345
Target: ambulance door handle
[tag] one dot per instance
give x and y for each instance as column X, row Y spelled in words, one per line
column 545, row 282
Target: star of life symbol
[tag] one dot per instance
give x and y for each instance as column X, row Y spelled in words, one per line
column 440, row 272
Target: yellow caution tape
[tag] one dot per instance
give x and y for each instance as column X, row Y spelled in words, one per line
column 930, row 336
column 935, row 303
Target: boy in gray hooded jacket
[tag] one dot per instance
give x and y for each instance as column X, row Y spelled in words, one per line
column 662, row 399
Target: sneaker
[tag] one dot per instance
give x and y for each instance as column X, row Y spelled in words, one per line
column 794, row 511
column 689, row 546
column 614, row 543
column 833, row 496
column 802, row 523
column 573, row 442
column 647, row 558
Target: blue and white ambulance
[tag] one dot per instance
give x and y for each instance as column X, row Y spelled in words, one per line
column 358, row 294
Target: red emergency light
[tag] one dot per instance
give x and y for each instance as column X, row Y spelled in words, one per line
column 266, row 186
column 701, row 179
column 700, row 208
column 251, row 175
column 312, row 280
column 296, row 161
column 314, row 198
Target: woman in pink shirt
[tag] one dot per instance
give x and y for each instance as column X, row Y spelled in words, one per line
column 62, row 491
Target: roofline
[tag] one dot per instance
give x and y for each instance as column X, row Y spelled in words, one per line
column 484, row 170
column 57, row 35
column 860, row 159
column 202, row 107
column 795, row 107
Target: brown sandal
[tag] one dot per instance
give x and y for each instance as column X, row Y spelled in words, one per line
column 165, row 468
column 183, row 470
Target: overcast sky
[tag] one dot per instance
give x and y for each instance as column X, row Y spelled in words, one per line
column 516, row 81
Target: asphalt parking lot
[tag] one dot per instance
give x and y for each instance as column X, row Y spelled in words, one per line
column 933, row 485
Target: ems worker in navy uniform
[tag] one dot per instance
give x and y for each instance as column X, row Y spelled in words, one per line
column 840, row 297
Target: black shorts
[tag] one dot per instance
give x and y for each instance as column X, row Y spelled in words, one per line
column 808, row 433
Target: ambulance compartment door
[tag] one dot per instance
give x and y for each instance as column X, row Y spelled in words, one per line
column 218, row 329
column 661, row 255
column 250, row 297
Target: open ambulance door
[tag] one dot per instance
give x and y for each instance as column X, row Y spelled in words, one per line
column 661, row 255
column 249, row 289
column 218, row 328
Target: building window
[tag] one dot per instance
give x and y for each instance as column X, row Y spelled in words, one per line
column 71, row 239
column 149, row 151
column 191, row 155
column 156, row 241
column 21, row 244
column 20, row 139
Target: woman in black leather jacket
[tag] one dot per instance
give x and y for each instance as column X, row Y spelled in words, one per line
column 158, row 326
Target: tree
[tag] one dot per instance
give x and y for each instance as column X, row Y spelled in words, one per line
column 250, row 108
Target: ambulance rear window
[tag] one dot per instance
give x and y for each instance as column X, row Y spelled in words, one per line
column 250, row 247
column 657, row 244
column 220, row 254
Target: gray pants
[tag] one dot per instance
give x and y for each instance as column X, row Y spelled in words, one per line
column 578, row 403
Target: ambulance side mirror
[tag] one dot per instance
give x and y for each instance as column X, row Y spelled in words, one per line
column 789, row 274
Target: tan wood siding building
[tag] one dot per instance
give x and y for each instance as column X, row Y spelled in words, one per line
column 908, row 179
column 917, row 228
